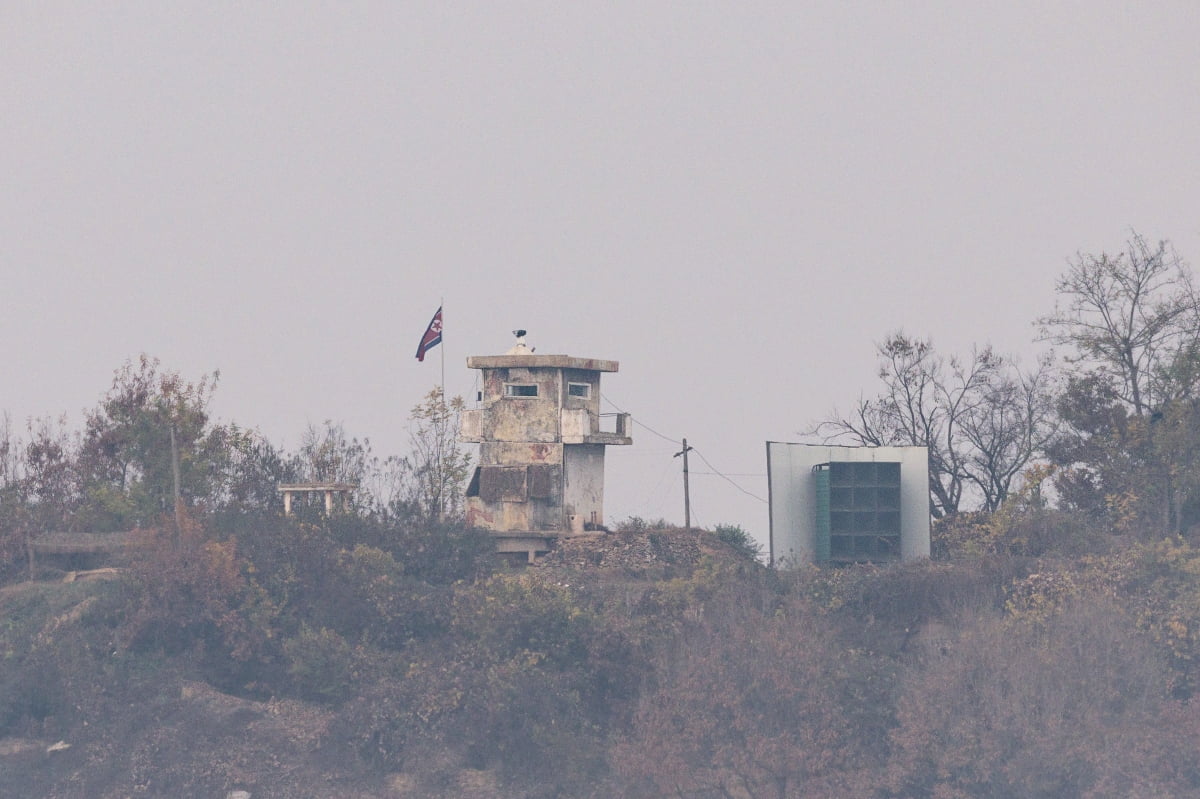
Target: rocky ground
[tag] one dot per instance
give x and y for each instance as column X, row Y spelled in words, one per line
column 643, row 553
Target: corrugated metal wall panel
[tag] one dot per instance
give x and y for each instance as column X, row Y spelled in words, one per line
column 821, row 541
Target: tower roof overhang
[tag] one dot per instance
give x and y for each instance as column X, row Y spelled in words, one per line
column 540, row 361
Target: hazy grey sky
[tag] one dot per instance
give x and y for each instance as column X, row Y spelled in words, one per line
column 733, row 200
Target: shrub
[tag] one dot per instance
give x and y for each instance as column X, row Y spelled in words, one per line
column 1072, row 706
column 754, row 705
column 321, row 665
column 742, row 542
column 636, row 524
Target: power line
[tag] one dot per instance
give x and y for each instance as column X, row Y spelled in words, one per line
column 658, row 484
column 639, row 423
column 700, row 455
column 715, row 470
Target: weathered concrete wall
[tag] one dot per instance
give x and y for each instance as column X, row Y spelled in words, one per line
column 471, row 426
column 506, row 418
column 522, row 420
column 590, row 379
column 541, row 458
column 576, row 425
column 536, row 487
column 514, row 452
column 499, row 515
column 480, row 514
column 793, row 493
column 583, row 486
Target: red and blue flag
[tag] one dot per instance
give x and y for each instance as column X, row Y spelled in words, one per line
column 432, row 337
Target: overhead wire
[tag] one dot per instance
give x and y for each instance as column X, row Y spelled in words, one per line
column 657, row 490
column 679, row 442
column 700, row 455
column 674, row 441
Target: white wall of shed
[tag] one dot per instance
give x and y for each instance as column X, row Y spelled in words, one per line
column 793, row 496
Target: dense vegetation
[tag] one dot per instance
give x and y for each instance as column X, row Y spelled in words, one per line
column 428, row 670
column 1050, row 649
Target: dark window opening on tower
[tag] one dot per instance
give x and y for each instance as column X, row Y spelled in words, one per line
column 583, row 390
column 520, row 390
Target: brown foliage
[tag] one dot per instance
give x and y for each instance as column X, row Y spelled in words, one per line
column 1074, row 706
column 526, row 683
column 761, row 706
column 196, row 595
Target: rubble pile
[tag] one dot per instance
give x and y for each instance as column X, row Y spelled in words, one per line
column 627, row 550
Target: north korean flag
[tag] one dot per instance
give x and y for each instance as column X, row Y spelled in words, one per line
column 432, row 337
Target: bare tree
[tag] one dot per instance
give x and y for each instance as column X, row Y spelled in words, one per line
column 1132, row 319
column 1006, row 429
column 1130, row 324
column 981, row 420
column 328, row 454
column 439, row 465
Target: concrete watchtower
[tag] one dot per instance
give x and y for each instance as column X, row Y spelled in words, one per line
column 541, row 447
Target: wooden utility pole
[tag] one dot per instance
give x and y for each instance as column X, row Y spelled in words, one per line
column 687, row 499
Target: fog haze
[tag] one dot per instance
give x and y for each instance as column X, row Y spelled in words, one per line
column 734, row 201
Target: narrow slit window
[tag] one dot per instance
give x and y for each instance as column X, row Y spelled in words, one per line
column 581, row 390
column 520, row 390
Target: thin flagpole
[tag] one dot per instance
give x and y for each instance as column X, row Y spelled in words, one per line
column 442, row 305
